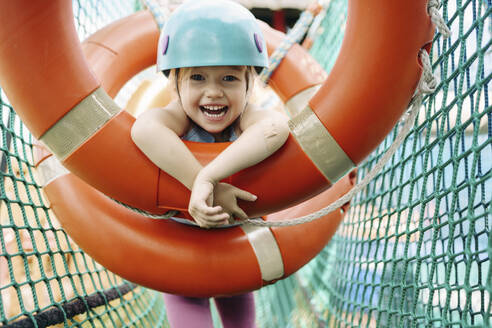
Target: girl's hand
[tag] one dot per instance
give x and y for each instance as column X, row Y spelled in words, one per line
column 201, row 205
column 226, row 195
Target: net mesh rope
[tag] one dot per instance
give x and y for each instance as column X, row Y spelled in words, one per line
column 413, row 250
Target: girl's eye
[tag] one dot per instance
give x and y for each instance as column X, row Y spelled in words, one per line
column 197, row 77
column 230, row 78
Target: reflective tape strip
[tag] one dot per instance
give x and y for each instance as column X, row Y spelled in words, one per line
column 266, row 250
column 49, row 170
column 78, row 125
column 297, row 103
column 319, row 145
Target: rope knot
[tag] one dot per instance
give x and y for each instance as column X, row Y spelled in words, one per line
column 428, row 83
column 436, row 18
column 434, row 4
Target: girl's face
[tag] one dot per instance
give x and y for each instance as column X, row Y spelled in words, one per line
column 214, row 96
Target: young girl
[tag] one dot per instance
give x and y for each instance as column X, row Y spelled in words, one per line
column 209, row 50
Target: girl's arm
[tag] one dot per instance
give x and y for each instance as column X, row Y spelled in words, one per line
column 156, row 132
column 264, row 131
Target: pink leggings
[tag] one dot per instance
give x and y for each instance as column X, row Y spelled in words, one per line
column 189, row 312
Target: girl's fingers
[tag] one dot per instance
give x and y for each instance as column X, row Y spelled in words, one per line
column 209, row 210
column 207, row 224
column 205, row 209
column 217, row 217
column 240, row 213
column 244, row 195
column 207, row 221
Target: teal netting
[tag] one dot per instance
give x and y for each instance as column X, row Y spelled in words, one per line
column 414, row 249
column 44, row 277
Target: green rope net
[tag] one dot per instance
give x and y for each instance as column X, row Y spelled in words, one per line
column 413, row 250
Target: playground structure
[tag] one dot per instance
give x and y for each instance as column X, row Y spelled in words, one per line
column 414, row 247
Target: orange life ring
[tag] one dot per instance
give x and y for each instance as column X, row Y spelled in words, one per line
column 42, row 67
column 164, row 255
column 172, row 257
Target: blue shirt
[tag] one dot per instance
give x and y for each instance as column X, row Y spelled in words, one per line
column 198, row 134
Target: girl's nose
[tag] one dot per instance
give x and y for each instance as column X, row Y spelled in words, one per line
column 214, row 91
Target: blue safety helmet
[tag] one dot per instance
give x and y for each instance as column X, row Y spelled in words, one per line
column 211, row 33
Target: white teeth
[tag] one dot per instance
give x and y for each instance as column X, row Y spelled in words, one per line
column 213, row 108
column 214, row 115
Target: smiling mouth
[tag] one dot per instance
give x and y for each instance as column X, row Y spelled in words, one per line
column 214, row 111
